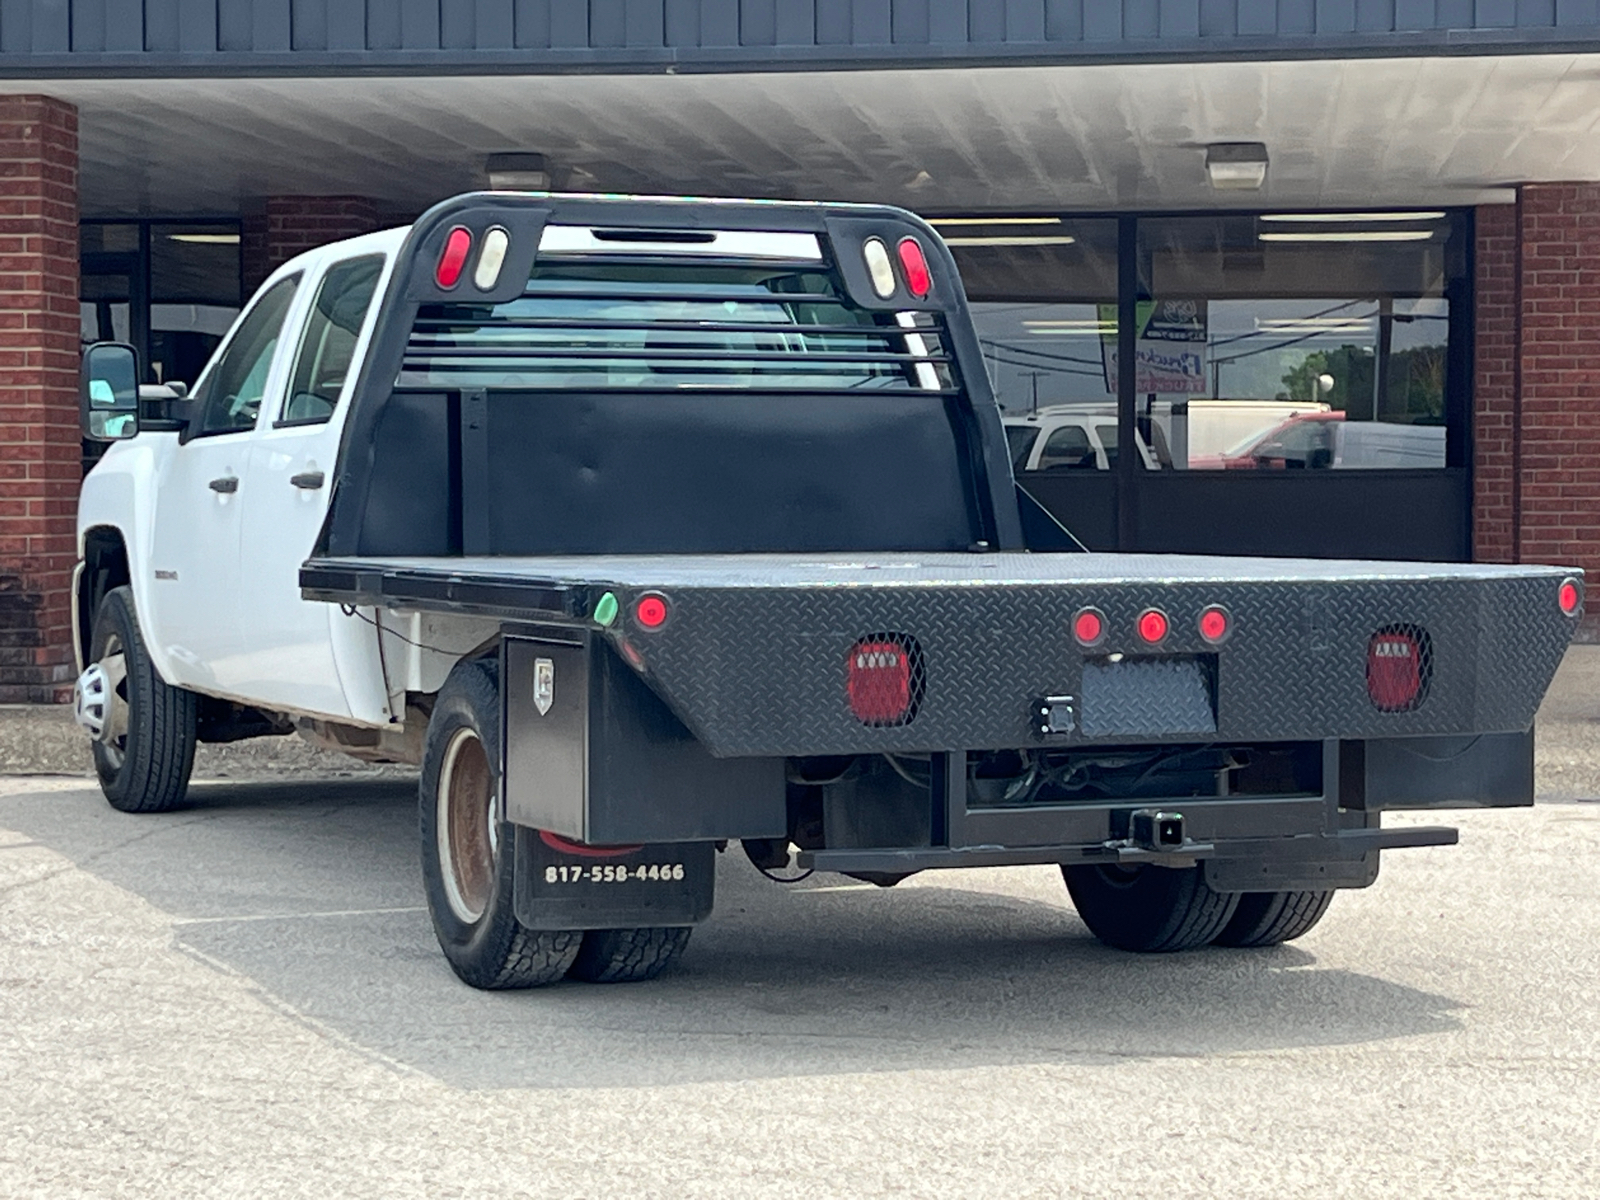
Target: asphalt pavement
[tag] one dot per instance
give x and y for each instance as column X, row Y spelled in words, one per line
column 245, row 998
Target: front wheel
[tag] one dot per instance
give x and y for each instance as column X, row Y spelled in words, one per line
column 467, row 851
column 1146, row 908
column 143, row 727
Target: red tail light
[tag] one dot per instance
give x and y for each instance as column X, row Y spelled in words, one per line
column 1153, row 625
column 453, row 260
column 1089, row 626
column 1214, row 624
column 651, row 611
column 883, row 678
column 1570, row 597
column 1397, row 668
column 915, row 265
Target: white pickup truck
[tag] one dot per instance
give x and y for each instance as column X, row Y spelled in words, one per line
column 645, row 526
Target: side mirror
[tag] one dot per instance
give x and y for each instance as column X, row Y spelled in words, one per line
column 109, row 393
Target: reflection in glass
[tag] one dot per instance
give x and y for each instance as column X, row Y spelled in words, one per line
column 1043, row 293
column 1304, row 341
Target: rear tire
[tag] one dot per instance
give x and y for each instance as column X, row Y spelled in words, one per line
column 627, row 955
column 467, row 852
column 147, row 753
column 1148, row 909
column 1272, row 918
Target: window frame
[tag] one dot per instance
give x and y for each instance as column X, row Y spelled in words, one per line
column 361, row 337
column 200, row 396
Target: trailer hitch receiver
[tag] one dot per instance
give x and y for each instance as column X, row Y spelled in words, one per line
column 1152, row 829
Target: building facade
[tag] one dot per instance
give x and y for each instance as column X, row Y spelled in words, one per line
column 1307, row 277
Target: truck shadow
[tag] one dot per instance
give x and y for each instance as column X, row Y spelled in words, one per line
column 312, row 892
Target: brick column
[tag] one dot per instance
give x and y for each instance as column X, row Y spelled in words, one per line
column 1538, row 384
column 40, row 450
column 288, row 225
column 1494, row 418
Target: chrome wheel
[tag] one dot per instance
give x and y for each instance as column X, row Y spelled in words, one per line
column 465, row 826
column 102, row 701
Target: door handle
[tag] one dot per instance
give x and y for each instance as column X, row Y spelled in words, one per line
column 309, row 480
column 227, row 485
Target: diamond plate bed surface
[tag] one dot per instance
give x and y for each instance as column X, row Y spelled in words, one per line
column 753, row 656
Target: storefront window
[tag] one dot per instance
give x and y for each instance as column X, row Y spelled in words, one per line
column 1044, row 299
column 170, row 288
column 1295, row 341
column 194, row 294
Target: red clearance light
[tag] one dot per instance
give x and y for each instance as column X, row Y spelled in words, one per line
column 650, row 611
column 1214, row 624
column 883, row 678
column 1397, row 668
column 453, row 260
column 1153, row 625
column 1089, row 626
column 915, row 264
column 1570, row 597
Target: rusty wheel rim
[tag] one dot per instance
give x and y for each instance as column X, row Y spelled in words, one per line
column 468, row 839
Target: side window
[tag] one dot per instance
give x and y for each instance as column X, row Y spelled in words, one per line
column 1067, row 448
column 1108, row 439
column 230, row 395
column 1021, row 439
column 329, row 342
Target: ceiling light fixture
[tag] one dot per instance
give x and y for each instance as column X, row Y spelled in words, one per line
column 517, row 173
column 205, row 239
column 1010, row 240
column 1330, row 218
column 1236, row 166
column 1352, row 235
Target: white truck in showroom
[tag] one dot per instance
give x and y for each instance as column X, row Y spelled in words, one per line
column 645, row 526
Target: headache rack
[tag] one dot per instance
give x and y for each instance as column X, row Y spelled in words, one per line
column 594, row 327
column 671, row 377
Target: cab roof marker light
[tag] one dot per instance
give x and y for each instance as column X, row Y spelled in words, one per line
column 491, row 258
column 915, row 265
column 879, row 268
column 453, row 258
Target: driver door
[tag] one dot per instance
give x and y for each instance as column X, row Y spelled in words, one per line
column 195, row 538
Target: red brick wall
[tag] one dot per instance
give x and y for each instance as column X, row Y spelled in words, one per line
column 289, row 225
column 1538, row 383
column 1495, row 418
column 40, row 452
column 1560, row 378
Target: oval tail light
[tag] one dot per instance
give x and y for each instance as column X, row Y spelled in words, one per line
column 879, row 269
column 915, row 265
column 453, row 258
column 491, row 259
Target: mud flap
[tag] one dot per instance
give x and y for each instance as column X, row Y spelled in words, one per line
column 560, row 885
column 1286, row 873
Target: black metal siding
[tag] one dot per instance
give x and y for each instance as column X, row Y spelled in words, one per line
column 180, row 36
